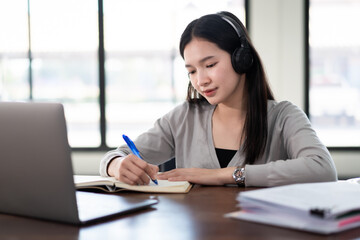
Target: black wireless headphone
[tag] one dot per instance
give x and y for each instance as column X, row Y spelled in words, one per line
column 242, row 57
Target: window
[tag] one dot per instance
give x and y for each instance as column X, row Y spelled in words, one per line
column 14, row 44
column 61, row 64
column 64, row 44
column 50, row 52
column 334, row 83
column 145, row 74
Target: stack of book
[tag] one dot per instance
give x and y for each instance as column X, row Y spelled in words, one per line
column 323, row 208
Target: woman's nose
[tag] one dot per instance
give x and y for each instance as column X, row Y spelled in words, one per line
column 203, row 78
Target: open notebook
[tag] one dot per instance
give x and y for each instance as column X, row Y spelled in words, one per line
column 36, row 176
column 110, row 184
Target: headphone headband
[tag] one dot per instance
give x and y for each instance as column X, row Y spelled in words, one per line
column 232, row 23
column 242, row 58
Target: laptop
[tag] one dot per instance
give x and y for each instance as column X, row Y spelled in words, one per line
column 36, row 175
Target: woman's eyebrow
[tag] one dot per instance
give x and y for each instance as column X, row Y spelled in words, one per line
column 201, row 61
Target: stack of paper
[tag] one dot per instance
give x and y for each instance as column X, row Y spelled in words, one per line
column 316, row 207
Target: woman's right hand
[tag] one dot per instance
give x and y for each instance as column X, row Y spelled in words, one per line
column 132, row 170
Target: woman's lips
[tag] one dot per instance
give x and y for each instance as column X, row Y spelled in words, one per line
column 210, row 92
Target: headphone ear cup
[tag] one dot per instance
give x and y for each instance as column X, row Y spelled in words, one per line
column 242, row 59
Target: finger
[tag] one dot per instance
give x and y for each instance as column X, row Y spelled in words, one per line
column 133, row 179
column 137, row 175
column 173, row 173
column 127, row 180
column 130, row 172
column 197, row 179
column 152, row 171
column 149, row 169
column 140, row 168
column 179, row 178
column 164, row 175
column 140, row 163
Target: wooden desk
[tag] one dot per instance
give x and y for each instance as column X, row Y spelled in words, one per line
column 196, row 215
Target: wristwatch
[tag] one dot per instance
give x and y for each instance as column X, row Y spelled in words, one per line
column 239, row 176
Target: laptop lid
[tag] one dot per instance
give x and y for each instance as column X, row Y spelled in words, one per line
column 36, row 176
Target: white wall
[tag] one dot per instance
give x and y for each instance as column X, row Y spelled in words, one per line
column 277, row 31
column 86, row 162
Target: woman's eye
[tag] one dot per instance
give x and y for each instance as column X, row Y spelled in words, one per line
column 211, row 65
column 190, row 73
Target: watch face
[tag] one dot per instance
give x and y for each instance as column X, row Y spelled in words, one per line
column 239, row 176
column 237, row 173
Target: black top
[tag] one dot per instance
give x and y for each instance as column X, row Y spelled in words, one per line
column 224, row 156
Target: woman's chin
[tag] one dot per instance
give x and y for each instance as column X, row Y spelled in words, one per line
column 212, row 101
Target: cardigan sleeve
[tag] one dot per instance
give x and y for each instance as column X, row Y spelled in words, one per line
column 307, row 159
column 156, row 146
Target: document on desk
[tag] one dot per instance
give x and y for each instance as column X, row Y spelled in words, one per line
column 323, row 208
column 110, row 184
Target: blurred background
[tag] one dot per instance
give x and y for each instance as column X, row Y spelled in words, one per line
column 115, row 64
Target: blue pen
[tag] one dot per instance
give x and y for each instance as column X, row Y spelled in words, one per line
column 134, row 150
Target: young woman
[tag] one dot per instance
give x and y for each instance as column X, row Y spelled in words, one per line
column 230, row 129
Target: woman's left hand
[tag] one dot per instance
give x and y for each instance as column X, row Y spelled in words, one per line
column 201, row 176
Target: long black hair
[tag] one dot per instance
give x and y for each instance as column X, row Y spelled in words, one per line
column 215, row 29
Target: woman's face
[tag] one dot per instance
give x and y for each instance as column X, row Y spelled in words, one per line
column 211, row 73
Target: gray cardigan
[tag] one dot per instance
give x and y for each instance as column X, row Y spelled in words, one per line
column 293, row 153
